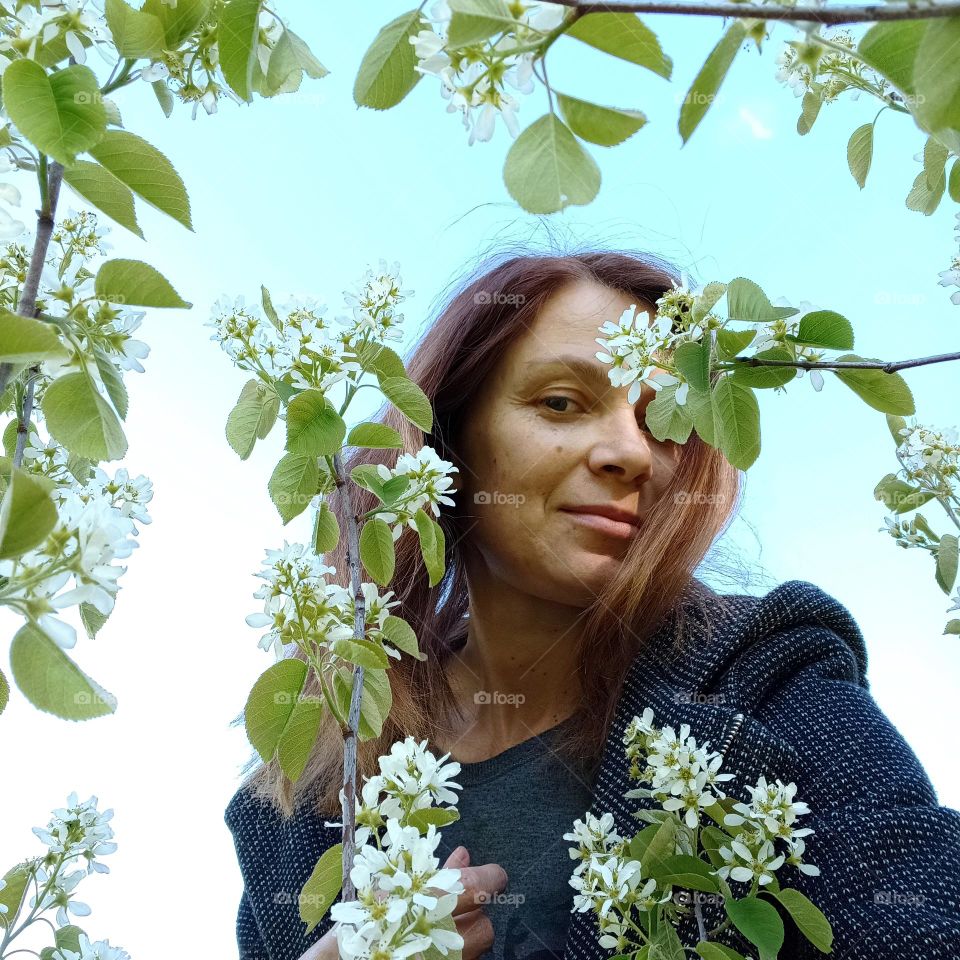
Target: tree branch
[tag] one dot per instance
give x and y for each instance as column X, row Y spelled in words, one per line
column 891, row 366
column 849, row 13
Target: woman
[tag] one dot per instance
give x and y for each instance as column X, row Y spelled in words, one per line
column 557, row 622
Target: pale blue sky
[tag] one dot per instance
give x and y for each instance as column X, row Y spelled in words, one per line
column 301, row 194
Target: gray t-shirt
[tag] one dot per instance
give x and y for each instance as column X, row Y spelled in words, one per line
column 514, row 809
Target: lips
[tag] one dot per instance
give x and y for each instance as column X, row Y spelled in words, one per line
column 603, row 524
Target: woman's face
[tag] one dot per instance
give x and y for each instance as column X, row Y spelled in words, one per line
column 544, row 436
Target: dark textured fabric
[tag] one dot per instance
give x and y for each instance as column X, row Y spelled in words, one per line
column 515, row 808
column 782, row 686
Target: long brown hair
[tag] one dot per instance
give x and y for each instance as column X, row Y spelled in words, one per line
column 654, row 585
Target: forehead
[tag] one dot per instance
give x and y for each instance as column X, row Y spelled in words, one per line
column 567, row 327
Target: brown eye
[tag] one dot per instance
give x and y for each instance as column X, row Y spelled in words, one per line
column 558, row 398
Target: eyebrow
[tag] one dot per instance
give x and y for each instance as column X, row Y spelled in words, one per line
column 587, row 370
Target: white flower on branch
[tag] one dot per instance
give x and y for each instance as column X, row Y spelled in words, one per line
column 429, row 482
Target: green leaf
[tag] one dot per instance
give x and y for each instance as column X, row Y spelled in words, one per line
column 377, row 550
column 366, row 476
column 895, row 425
column 759, row 922
column 703, row 90
column 410, row 400
column 237, row 33
column 322, row 886
column 52, row 682
column 623, row 35
column 146, row 171
column 135, row 34
column 736, row 419
column 717, row 951
column 953, row 627
column 327, row 530
column 825, row 328
column 361, row 652
column 934, row 164
column 375, row 701
column 135, row 284
column 947, row 562
column 375, row 435
column 922, row 198
column 26, row 340
column 689, row 872
column 62, row 113
column 432, row 545
column 731, row 342
column 310, row 65
column 440, row 817
column 746, row 301
column 92, row 619
column 898, row 496
column 474, row 21
column 661, row 845
column 179, row 22
column 937, row 85
column 81, row 420
column 886, row 392
column 298, row 738
column 113, row 382
column 704, row 302
column 605, row 126
column 692, row 359
column 164, row 96
column 761, row 377
column 314, row 427
column 293, row 484
column 860, row 153
column 27, row 513
column 379, row 359
column 101, row 188
column 700, row 410
column 270, row 705
column 16, row 880
column 667, row 419
column 387, row 73
column 809, row 111
column 398, row 633
column 665, row 944
column 953, row 185
column 547, row 170
column 4, row 695
column 252, row 417
column 809, row 919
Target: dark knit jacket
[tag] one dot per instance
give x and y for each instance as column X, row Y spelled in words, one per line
column 780, row 687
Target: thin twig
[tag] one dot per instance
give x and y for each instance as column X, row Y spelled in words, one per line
column 851, row 13
column 891, row 366
column 356, row 693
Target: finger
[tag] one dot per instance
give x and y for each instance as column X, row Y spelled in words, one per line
column 476, row 928
column 479, row 883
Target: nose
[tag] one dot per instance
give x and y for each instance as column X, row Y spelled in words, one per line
column 624, row 446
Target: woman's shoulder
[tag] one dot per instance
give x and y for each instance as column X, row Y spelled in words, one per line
column 745, row 638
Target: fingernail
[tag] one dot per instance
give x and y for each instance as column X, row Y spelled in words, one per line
column 460, row 855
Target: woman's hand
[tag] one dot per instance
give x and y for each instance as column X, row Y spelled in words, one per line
column 473, row 924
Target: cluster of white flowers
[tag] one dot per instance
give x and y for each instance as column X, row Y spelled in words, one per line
column 472, row 78
column 928, row 454
column 768, row 817
column 402, row 893
column 682, row 777
column 429, row 482
column 23, row 33
column 78, row 831
column 908, row 532
column 634, row 348
column 951, row 276
column 805, row 65
column 608, row 881
column 94, row 528
column 301, row 607
column 301, row 346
